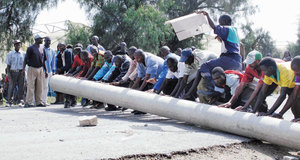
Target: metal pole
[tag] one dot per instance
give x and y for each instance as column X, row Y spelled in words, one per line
column 269, row 129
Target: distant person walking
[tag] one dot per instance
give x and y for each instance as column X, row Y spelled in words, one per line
column 15, row 71
column 35, row 59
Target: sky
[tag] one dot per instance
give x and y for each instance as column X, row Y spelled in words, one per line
column 280, row 18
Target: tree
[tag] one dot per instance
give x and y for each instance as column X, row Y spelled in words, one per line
column 257, row 40
column 78, row 34
column 294, row 48
column 17, row 18
column 116, row 21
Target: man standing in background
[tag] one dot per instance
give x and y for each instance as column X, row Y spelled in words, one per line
column 15, row 71
column 50, row 54
column 35, row 59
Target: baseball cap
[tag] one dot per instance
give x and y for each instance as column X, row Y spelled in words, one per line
column 37, row 36
column 252, row 57
column 16, row 41
column 185, row 54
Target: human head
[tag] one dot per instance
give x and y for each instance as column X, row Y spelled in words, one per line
column 84, row 55
column 268, row 66
column 218, row 75
column 295, row 65
column 58, row 46
column 118, row 60
column 193, row 48
column 178, row 51
column 253, row 58
column 62, row 47
column 165, row 50
column 225, row 20
column 95, row 40
column 38, row 39
column 69, row 46
column 17, row 44
column 78, row 48
column 172, row 63
column 123, row 46
column 139, row 55
column 286, row 54
column 94, row 51
column 131, row 51
column 47, row 42
column 187, row 56
column 108, row 56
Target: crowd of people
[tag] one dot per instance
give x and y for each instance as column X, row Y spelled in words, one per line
column 190, row 74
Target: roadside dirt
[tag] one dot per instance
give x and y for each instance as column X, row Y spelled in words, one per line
column 255, row 150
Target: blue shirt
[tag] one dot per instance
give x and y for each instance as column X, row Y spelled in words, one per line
column 230, row 38
column 104, row 69
column 50, row 62
column 164, row 71
column 154, row 65
column 15, row 60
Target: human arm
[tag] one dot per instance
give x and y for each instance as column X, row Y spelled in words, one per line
column 147, row 76
column 93, row 72
column 252, row 97
column 163, row 85
column 182, row 85
column 176, row 87
column 194, row 85
column 236, row 95
column 290, row 102
column 210, row 22
column 279, row 100
column 261, row 97
column 136, row 83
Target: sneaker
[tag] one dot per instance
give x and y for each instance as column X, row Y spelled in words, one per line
column 47, row 104
column 8, row 105
column 20, row 104
column 67, row 105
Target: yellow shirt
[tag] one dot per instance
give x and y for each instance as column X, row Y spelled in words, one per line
column 285, row 76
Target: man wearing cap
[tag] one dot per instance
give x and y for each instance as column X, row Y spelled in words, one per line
column 14, row 61
column 50, row 54
column 193, row 60
column 251, row 76
column 35, row 59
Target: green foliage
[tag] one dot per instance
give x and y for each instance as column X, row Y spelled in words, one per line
column 258, row 40
column 294, row 48
column 141, row 23
column 17, row 18
column 78, row 34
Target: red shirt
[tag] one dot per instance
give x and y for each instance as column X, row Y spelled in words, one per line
column 251, row 73
column 77, row 61
column 86, row 66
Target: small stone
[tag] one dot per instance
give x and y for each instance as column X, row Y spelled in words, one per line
column 146, row 125
column 88, row 121
column 61, row 140
column 290, row 158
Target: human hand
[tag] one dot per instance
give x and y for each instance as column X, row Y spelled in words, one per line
column 263, row 114
column 151, row 80
column 241, row 109
column 225, row 105
column 46, row 74
column 202, row 12
column 277, row 115
column 114, row 83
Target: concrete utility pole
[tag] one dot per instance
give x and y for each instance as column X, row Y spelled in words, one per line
column 269, row 129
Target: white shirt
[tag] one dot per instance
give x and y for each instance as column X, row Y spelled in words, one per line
column 179, row 73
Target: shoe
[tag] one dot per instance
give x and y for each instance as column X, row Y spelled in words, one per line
column 123, row 109
column 28, row 106
column 47, row 104
column 98, row 106
column 57, row 102
column 20, row 104
column 41, row 105
column 7, row 105
column 67, row 105
column 111, row 108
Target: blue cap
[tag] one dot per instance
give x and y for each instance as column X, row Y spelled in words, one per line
column 185, row 54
